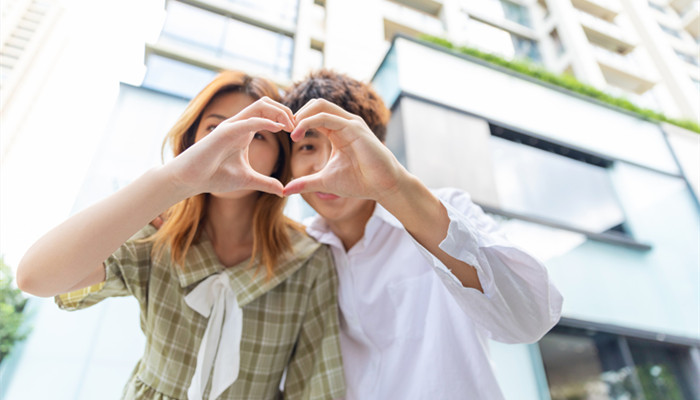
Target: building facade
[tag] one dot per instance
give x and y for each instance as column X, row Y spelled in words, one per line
column 607, row 200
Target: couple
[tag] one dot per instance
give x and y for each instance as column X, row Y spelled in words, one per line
column 237, row 302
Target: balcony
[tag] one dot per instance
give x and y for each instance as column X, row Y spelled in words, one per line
column 606, row 34
column 680, row 5
column 623, row 71
column 605, row 9
column 405, row 19
column 691, row 19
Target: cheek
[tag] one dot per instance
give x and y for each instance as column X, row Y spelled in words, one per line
column 263, row 157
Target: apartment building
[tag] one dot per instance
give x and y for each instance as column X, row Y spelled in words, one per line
column 607, row 200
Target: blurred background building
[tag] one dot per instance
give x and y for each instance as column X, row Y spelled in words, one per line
column 608, row 200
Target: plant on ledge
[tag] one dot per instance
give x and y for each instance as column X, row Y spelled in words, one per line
column 12, row 304
column 564, row 81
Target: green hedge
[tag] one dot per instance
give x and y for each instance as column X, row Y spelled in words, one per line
column 565, row 81
column 12, row 304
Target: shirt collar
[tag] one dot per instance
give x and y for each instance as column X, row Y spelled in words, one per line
column 317, row 227
column 248, row 282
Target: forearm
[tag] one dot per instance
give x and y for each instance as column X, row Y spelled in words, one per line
column 71, row 252
column 424, row 216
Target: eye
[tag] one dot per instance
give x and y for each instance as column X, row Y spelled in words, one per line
column 259, row 136
column 306, row 147
column 211, row 128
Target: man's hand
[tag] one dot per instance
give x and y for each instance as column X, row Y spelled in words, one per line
column 359, row 164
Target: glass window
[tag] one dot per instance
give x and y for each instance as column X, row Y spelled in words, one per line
column 175, row 77
column 670, row 31
column 543, row 184
column 591, row 364
column 315, row 58
column 516, row 13
column 193, row 28
column 662, row 370
column 502, row 42
column 686, row 57
column 586, row 366
column 657, row 7
column 556, row 40
column 502, row 9
column 269, row 52
column 247, row 47
column 279, row 10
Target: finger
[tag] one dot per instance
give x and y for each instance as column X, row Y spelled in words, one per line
column 267, row 108
column 257, row 124
column 284, row 109
column 318, row 106
column 266, row 184
column 323, row 120
column 305, row 184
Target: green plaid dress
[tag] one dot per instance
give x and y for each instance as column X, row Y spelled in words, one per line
column 289, row 321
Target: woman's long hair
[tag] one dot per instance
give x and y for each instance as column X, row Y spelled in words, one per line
column 183, row 222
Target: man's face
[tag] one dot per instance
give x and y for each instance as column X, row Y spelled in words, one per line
column 309, row 156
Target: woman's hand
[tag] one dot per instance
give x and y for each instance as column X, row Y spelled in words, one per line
column 219, row 161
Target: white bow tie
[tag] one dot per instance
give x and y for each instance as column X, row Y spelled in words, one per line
column 214, row 298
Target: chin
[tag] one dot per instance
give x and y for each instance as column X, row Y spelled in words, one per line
column 235, row 195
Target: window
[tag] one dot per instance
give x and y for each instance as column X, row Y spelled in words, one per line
column 175, row 77
column 503, row 9
column 696, row 83
column 687, row 57
column 586, row 366
column 516, row 13
column 255, row 49
column 284, row 11
column 315, row 59
column 541, row 179
column 502, row 42
column 670, row 31
column 556, row 40
column 591, row 364
column 661, row 369
column 243, row 46
column 657, row 7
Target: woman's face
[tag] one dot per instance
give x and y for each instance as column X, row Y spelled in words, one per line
column 264, row 149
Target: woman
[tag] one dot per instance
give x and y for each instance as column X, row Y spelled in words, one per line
column 216, row 325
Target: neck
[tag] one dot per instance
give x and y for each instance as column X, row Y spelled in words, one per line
column 229, row 225
column 351, row 230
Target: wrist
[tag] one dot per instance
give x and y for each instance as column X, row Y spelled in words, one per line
column 408, row 194
column 172, row 184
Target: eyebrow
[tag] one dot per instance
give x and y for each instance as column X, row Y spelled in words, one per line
column 218, row 116
column 311, row 134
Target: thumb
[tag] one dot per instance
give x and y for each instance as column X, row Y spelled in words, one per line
column 266, row 184
column 309, row 183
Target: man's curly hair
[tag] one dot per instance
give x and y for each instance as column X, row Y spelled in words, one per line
column 352, row 95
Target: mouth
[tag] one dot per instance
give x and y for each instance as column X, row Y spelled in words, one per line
column 326, row 196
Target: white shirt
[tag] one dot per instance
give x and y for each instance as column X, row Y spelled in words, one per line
column 410, row 330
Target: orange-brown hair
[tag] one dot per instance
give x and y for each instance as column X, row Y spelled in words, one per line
column 350, row 94
column 184, row 221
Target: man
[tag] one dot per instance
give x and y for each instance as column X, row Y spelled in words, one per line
column 425, row 278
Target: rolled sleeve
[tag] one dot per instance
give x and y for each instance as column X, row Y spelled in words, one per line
column 519, row 303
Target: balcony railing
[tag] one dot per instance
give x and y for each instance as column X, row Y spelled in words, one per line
column 607, row 9
column 412, row 18
column 691, row 19
column 605, row 33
